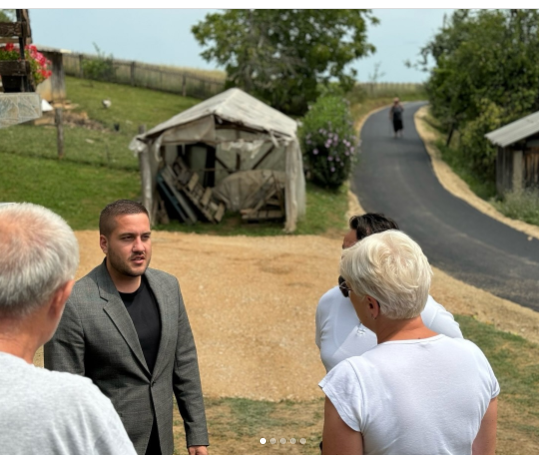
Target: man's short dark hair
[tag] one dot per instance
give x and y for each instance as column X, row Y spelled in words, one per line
column 107, row 219
column 371, row 223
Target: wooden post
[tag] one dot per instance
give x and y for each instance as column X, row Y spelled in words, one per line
column 133, row 73
column 81, row 71
column 145, row 175
column 60, row 131
column 184, row 84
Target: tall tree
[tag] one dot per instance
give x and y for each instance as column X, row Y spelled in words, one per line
column 281, row 56
column 485, row 75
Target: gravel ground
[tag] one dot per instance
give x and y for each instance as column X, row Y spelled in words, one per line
column 252, row 301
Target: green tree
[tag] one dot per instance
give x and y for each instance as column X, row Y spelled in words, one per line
column 282, row 56
column 485, row 75
column 7, row 15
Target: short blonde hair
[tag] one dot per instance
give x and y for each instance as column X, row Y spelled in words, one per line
column 390, row 267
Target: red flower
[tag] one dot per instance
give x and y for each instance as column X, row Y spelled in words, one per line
column 9, row 47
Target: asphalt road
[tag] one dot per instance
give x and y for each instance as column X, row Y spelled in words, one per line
column 395, row 177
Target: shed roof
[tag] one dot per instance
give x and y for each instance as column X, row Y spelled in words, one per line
column 234, row 105
column 516, row 131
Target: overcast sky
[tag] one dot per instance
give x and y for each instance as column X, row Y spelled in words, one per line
column 164, row 36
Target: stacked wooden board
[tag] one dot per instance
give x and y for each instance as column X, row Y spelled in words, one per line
column 190, row 201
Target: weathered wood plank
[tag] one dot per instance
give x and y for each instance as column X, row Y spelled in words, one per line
column 11, row 29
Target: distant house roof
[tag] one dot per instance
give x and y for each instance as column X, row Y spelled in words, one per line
column 234, row 105
column 516, row 131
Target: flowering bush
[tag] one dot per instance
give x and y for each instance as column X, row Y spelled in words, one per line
column 328, row 140
column 38, row 63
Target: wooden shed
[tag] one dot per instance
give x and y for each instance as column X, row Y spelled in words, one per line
column 517, row 162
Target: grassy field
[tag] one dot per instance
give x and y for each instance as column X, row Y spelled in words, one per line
column 98, row 167
column 236, row 424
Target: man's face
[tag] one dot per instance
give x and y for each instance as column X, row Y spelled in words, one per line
column 129, row 247
column 350, row 239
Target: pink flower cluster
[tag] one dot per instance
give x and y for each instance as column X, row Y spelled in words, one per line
column 38, row 62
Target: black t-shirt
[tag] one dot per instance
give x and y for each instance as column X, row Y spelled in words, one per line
column 142, row 307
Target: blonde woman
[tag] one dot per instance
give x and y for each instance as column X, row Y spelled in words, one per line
column 417, row 392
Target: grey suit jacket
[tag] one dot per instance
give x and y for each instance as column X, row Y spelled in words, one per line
column 96, row 338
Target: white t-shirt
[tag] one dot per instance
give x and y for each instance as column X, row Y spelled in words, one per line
column 340, row 335
column 46, row 412
column 414, row 397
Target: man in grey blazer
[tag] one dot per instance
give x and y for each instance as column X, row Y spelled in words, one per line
column 126, row 328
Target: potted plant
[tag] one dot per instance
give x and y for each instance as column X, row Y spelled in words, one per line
column 11, row 81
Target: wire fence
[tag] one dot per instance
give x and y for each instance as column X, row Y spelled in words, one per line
column 140, row 74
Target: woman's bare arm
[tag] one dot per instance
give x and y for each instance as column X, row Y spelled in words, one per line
column 339, row 438
column 485, row 441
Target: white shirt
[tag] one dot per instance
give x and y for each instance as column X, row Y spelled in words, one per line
column 340, row 335
column 414, row 397
column 46, row 412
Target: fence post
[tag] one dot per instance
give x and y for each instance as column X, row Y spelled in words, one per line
column 145, row 175
column 133, row 63
column 59, row 131
column 81, row 70
column 184, row 85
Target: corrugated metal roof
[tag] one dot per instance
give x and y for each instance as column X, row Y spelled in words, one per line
column 516, row 131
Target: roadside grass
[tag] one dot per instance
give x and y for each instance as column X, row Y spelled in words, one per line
column 521, row 205
column 237, row 424
column 458, row 162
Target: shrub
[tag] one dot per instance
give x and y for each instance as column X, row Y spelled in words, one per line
column 480, row 152
column 100, row 68
column 521, row 205
column 328, row 140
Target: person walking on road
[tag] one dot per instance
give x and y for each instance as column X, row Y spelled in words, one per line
column 395, row 115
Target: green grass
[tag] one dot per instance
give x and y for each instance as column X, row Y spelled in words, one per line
column 521, row 205
column 131, row 106
column 461, row 166
column 81, row 145
column 514, row 361
column 235, row 425
column 76, row 192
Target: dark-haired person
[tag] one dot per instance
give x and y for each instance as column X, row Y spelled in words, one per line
column 417, row 392
column 125, row 327
column 395, row 115
column 339, row 332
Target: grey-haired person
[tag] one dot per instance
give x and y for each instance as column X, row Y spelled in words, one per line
column 417, row 392
column 44, row 412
